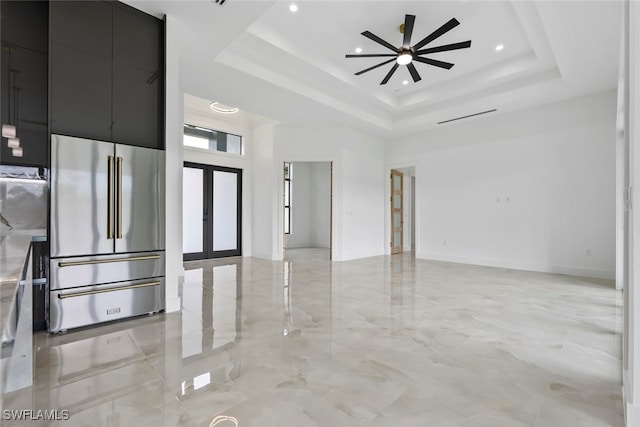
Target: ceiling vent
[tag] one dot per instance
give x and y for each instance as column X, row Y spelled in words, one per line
column 220, row 2
column 467, row 116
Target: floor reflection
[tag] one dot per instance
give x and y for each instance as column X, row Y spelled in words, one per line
column 374, row 342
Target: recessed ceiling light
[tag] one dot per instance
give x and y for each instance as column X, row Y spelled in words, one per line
column 499, row 47
column 405, row 82
column 358, row 50
column 224, row 109
column 293, row 7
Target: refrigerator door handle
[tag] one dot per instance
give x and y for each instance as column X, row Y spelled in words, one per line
column 110, row 199
column 119, row 197
column 102, row 291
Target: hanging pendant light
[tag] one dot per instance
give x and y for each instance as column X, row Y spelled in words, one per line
column 14, row 143
column 8, row 131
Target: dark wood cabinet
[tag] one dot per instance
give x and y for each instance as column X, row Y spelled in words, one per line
column 80, row 93
column 25, row 24
column 107, row 73
column 136, row 116
column 137, row 39
column 23, row 80
column 83, row 25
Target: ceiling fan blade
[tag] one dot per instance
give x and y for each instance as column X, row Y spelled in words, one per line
column 370, row 35
column 434, row 62
column 370, row 55
column 389, row 74
column 374, row 67
column 444, row 48
column 452, row 23
column 408, row 30
column 414, row 73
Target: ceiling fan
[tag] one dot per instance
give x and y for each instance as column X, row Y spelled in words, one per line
column 406, row 54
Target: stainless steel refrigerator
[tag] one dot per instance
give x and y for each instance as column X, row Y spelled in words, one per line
column 106, row 232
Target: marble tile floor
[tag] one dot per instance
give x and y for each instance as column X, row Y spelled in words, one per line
column 383, row 341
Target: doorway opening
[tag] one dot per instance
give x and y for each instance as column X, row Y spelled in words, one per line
column 307, row 210
column 212, row 211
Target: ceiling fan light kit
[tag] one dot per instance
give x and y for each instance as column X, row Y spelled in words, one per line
column 407, row 54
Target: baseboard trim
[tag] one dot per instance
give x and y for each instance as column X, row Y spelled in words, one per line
column 262, row 255
column 514, row 265
column 361, row 256
column 631, row 414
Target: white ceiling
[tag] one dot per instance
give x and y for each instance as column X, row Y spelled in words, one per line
column 291, row 67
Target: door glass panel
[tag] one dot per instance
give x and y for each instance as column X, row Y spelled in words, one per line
column 397, row 220
column 287, row 195
column 234, row 144
column 192, row 210
column 287, row 222
column 397, row 182
column 397, row 238
column 397, row 202
column 225, row 211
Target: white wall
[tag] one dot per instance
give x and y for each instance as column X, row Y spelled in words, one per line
column 264, row 203
column 321, row 204
column 362, row 178
column 532, row 190
column 311, row 205
column 630, row 108
column 173, row 162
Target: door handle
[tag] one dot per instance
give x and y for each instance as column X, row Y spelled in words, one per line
column 119, row 197
column 110, row 199
column 102, row 291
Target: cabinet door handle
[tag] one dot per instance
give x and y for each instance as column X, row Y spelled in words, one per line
column 119, row 197
column 110, row 199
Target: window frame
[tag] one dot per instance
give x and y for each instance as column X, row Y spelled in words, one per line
column 212, row 136
column 287, row 171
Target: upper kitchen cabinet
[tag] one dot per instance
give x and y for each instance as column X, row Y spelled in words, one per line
column 83, row 25
column 26, row 24
column 81, row 52
column 107, row 73
column 23, row 81
column 137, row 39
column 138, row 84
column 80, row 98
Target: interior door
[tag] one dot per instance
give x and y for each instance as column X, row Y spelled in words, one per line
column 212, row 211
column 82, row 199
column 396, row 211
column 139, row 199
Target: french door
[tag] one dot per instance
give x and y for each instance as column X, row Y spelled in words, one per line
column 212, row 211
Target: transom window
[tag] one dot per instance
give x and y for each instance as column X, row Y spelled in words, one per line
column 214, row 140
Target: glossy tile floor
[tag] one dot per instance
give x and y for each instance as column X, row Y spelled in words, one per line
column 384, row 341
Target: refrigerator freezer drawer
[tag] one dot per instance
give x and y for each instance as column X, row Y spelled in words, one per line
column 73, row 308
column 86, row 271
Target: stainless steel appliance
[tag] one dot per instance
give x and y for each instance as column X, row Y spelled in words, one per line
column 106, row 232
